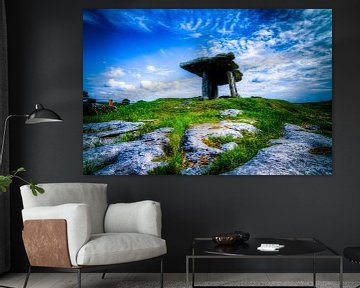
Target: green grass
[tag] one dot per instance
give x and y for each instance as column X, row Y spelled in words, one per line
column 248, row 147
column 266, row 114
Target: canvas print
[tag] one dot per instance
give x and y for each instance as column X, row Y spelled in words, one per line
column 207, row 92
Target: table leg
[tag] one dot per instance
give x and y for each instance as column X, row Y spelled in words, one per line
column 314, row 271
column 341, row 273
column 193, row 272
column 187, row 272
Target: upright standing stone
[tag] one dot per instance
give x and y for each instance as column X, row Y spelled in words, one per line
column 209, row 88
column 214, row 91
column 205, row 84
column 232, row 84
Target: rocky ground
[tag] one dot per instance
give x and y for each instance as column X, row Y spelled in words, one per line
column 124, row 158
column 96, row 134
column 301, row 151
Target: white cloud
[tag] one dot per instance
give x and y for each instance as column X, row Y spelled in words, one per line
column 195, row 35
column 134, row 73
column 181, row 88
column 191, row 26
column 150, row 90
column 114, row 72
column 142, row 24
column 155, row 85
column 224, row 31
column 264, row 33
column 120, row 84
column 157, row 71
column 186, row 26
column 164, row 25
column 150, row 68
column 134, row 19
column 198, row 23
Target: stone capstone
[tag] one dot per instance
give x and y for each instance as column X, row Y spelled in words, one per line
column 290, row 155
column 217, row 67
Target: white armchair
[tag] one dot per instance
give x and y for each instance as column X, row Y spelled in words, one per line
column 72, row 228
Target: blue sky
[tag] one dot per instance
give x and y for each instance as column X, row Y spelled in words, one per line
column 135, row 54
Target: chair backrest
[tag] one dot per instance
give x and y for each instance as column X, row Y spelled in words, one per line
column 93, row 194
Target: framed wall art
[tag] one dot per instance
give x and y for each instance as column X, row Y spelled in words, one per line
column 207, row 92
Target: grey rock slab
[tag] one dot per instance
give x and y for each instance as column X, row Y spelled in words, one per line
column 196, row 170
column 239, row 126
column 158, row 136
column 102, row 155
column 91, row 141
column 194, row 136
column 111, row 128
column 130, row 158
column 111, row 125
column 312, row 127
column 198, row 155
column 104, row 133
column 230, row 112
column 116, row 132
column 300, row 135
column 134, row 158
column 228, row 146
column 290, row 155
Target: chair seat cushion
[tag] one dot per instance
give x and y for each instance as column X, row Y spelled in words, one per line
column 352, row 253
column 114, row 248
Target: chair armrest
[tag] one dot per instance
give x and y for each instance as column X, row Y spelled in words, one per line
column 138, row 217
column 77, row 218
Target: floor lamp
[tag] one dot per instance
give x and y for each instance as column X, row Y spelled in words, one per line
column 39, row 115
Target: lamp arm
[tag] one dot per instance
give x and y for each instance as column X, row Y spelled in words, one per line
column 4, row 134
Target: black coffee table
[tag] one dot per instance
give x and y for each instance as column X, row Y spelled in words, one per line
column 294, row 248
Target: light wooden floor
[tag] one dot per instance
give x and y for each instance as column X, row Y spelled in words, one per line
column 68, row 280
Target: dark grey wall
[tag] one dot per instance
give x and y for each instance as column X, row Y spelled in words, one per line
column 46, row 66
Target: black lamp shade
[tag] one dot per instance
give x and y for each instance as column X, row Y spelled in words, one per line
column 42, row 115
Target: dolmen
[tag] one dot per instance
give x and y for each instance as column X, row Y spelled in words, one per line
column 214, row 71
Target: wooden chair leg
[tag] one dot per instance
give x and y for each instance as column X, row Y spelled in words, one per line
column 27, row 277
